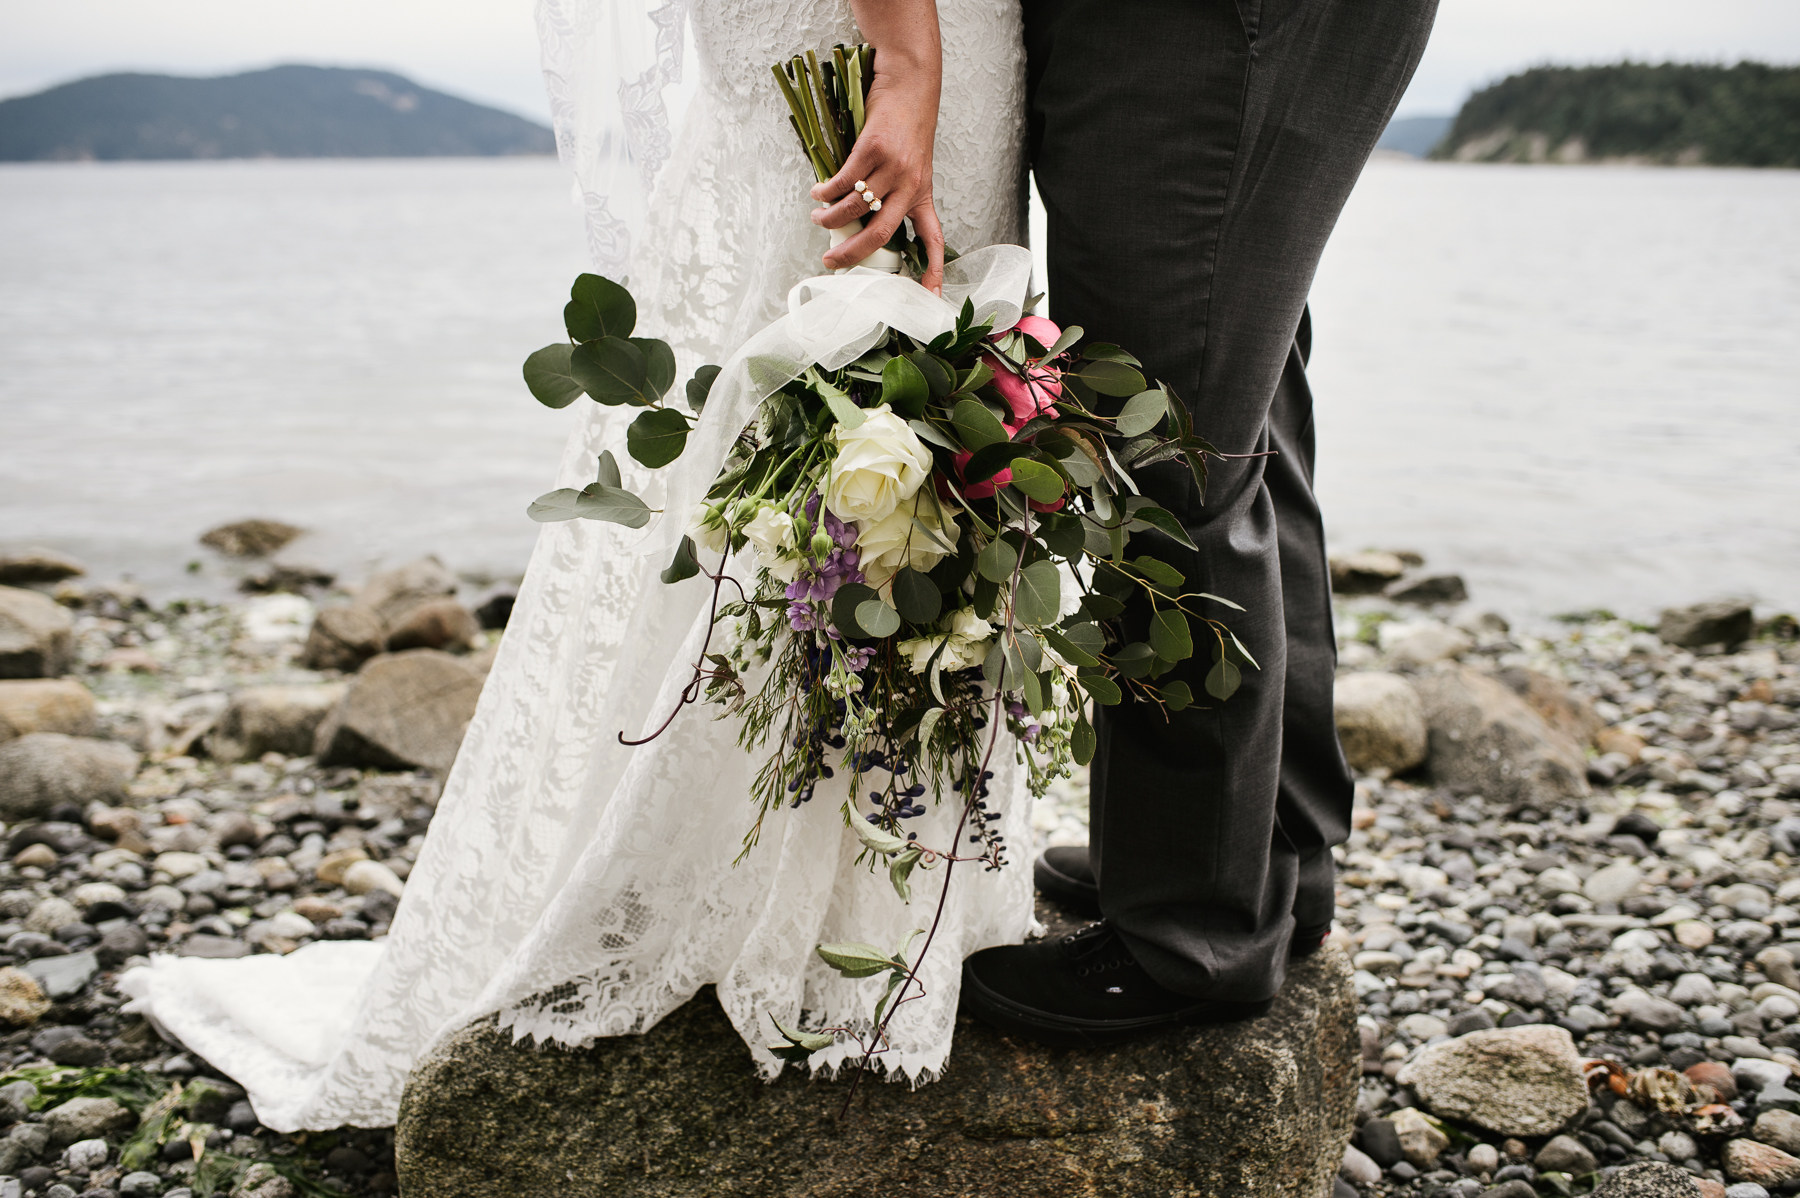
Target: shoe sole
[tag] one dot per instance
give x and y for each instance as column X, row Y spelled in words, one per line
column 1069, row 1032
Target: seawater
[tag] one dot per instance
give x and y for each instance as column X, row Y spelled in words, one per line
column 1573, row 384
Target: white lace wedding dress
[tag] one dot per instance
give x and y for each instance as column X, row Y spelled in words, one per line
column 574, row 886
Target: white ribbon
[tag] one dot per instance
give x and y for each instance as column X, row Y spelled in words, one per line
column 832, row 320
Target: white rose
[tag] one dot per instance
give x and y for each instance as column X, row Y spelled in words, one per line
column 919, row 651
column 888, row 544
column 707, row 527
column 771, row 531
column 971, row 627
column 960, row 653
column 880, row 464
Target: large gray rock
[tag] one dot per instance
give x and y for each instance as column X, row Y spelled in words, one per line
column 435, row 624
column 1365, row 573
column 342, row 638
column 42, row 769
column 390, row 594
column 87, row 1119
column 1517, row 1081
column 1262, row 1108
column 36, row 635
column 45, row 705
column 1486, row 739
column 37, row 565
column 1723, row 622
column 401, row 711
column 1562, row 708
column 1380, row 722
column 278, row 719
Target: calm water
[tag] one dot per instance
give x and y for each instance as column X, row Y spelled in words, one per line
column 1573, row 384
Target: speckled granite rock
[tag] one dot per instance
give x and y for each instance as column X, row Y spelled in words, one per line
column 1263, row 1108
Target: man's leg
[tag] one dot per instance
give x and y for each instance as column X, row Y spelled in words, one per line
column 1193, row 156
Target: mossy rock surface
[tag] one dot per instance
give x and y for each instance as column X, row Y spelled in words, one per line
column 1262, row 1108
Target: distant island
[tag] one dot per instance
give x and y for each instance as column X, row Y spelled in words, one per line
column 1674, row 113
column 282, row 112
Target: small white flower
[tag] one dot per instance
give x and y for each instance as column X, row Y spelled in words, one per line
column 771, row 530
column 1070, row 597
column 971, row 627
column 707, row 526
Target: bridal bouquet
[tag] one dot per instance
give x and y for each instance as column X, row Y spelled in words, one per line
column 937, row 528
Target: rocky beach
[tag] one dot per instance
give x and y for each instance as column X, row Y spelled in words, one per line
column 1570, row 895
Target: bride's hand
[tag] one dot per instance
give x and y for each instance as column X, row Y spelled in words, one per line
column 893, row 154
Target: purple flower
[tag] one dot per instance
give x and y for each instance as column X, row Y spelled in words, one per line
column 859, row 659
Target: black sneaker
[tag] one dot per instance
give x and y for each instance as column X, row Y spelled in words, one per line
column 1082, row 989
column 1064, row 876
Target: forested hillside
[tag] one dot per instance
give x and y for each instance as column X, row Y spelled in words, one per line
column 1743, row 115
column 283, row 112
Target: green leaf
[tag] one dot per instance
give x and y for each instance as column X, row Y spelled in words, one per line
column 977, row 426
column 903, row 388
column 598, row 308
column 1102, row 690
column 1086, row 636
column 1239, row 645
column 1158, row 572
column 612, row 370
column 1111, row 378
column 1134, row 660
column 1065, row 542
column 1223, row 679
column 1141, row 413
column 608, row 471
column 810, row 1041
column 1176, row 694
column 931, row 368
column 993, row 666
column 657, row 436
column 1082, row 740
column 1037, row 480
column 989, row 460
column 685, row 565
column 1101, row 607
column 854, row 960
column 929, row 721
column 844, row 605
column 1170, row 635
column 916, row 596
column 1103, row 351
column 1069, row 650
column 885, row 843
column 877, row 618
column 1225, row 601
column 1037, row 597
column 1165, row 522
column 612, row 504
column 1033, row 693
column 931, row 433
column 547, row 376
column 659, row 364
column 1069, row 337
column 700, row 386
column 996, row 560
column 900, row 869
column 1028, row 650
column 840, row 403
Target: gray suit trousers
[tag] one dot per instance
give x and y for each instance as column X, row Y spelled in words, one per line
column 1193, row 157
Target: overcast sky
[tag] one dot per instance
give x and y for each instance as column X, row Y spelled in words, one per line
column 487, row 49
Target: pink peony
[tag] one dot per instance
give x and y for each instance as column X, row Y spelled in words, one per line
column 986, row 487
column 1029, row 396
column 1043, row 331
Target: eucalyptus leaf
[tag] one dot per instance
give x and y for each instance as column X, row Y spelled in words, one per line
column 993, row 666
column 900, row 869
column 1158, row 572
column 659, row 364
column 611, row 370
column 1225, row 601
column 873, row 837
column 1107, row 352
column 877, row 618
column 976, row 426
column 1102, row 690
column 1082, row 740
column 1067, row 341
column 1069, row 650
column 1033, row 691
column 700, row 386
column 810, row 1041
column 1030, row 650
column 1141, row 413
column 607, row 474
column 989, row 460
column 657, row 436
column 557, row 505
column 1037, row 597
column 1176, row 694
column 613, row 505
column 1101, row 607
column 1223, row 679
column 928, row 723
column 1037, row 480
column 916, row 596
column 843, row 608
column 1111, row 378
column 1134, row 660
column 548, row 377
column 685, row 564
column 1170, row 635
column 840, row 403
column 930, row 432
column 996, row 560
column 599, row 307
column 1165, row 522
column 937, row 377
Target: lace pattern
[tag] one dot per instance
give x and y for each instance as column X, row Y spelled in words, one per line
column 576, row 886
